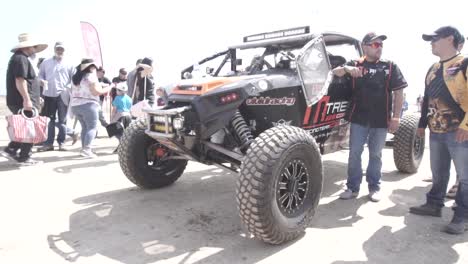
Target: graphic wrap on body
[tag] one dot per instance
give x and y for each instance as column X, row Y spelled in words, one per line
column 288, row 101
column 327, row 118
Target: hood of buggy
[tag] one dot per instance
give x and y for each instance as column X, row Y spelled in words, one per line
column 204, row 86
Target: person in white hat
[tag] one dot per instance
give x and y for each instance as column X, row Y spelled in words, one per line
column 144, row 82
column 121, row 109
column 23, row 91
column 121, row 103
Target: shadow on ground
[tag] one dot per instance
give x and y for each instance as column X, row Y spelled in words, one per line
column 339, row 213
column 419, row 241
column 194, row 220
column 71, row 155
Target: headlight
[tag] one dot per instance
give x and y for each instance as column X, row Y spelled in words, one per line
column 178, row 123
column 263, row 85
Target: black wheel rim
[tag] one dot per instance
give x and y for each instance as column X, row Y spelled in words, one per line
column 152, row 159
column 292, row 187
column 418, row 147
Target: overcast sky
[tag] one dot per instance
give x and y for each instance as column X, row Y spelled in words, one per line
column 177, row 33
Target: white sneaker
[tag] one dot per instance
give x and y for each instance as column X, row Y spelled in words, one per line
column 29, row 162
column 348, row 194
column 375, row 196
column 87, row 153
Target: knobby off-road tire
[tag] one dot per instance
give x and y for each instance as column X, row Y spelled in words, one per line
column 139, row 163
column 408, row 148
column 280, row 184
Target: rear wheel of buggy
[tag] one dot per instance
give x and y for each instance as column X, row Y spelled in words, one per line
column 280, row 184
column 408, row 148
column 140, row 158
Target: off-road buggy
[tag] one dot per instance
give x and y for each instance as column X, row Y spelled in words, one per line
column 267, row 109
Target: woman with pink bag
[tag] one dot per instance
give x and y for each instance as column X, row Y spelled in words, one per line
column 85, row 103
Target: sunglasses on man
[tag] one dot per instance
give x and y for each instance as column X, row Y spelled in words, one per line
column 375, row 45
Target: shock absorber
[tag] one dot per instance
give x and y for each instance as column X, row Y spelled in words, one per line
column 242, row 131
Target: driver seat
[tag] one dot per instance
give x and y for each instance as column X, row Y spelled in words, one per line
column 284, row 63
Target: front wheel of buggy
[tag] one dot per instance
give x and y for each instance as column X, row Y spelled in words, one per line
column 142, row 160
column 280, row 183
column 408, row 148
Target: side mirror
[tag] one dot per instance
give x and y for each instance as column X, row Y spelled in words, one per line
column 187, row 75
column 238, row 62
column 209, row 70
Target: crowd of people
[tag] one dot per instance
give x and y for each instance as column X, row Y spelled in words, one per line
column 60, row 91
column 376, row 108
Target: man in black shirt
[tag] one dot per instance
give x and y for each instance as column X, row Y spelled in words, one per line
column 444, row 110
column 23, row 92
column 373, row 83
column 121, row 78
column 131, row 77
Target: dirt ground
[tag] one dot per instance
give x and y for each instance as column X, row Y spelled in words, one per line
column 73, row 210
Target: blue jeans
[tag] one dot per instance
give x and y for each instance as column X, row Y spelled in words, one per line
column 375, row 138
column 54, row 106
column 87, row 115
column 444, row 149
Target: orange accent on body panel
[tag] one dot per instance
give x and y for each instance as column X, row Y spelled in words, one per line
column 176, row 90
column 207, row 85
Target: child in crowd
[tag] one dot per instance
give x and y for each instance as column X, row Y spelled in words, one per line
column 121, row 110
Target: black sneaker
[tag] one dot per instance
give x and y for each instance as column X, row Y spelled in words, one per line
column 45, row 148
column 427, row 209
column 9, row 153
column 29, row 162
column 456, row 227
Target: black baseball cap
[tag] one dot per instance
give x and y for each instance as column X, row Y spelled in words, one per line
column 444, row 32
column 371, row 36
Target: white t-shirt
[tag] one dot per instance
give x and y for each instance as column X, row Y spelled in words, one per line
column 81, row 94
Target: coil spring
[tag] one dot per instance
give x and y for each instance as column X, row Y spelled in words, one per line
column 242, row 131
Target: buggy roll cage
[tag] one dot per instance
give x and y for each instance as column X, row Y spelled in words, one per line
column 298, row 38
